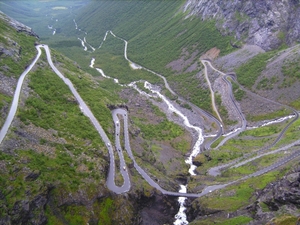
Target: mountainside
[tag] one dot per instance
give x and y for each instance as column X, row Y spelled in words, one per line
column 53, row 165
column 265, row 23
column 210, row 91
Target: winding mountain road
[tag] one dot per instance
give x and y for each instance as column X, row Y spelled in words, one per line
column 211, row 90
column 14, row 105
column 115, row 113
column 239, row 112
column 238, row 162
column 84, row 108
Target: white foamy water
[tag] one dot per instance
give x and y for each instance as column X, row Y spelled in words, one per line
column 134, row 66
column 196, row 148
column 232, row 132
column 102, row 73
column 180, row 217
column 83, row 45
column 134, row 86
column 92, row 63
column 76, row 27
column 273, row 121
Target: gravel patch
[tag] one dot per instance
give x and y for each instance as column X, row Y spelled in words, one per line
column 233, row 60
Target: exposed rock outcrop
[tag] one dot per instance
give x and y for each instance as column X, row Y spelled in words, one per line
column 20, row 27
column 282, row 195
column 265, row 23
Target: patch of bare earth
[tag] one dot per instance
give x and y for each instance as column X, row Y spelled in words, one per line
column 211, row 54
column 230, row 62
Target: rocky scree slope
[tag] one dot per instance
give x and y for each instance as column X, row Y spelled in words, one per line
column 265, row 23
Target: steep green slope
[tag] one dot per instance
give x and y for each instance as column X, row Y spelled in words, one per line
column 51, row 150
column 157, row 31
column 40, row 14
column 53, row 162
column 16, row 52
column 157, row 34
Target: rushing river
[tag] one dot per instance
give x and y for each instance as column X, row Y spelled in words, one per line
column 180, row 218
column 171, row 108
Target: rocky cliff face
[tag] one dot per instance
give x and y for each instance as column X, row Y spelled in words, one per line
column 20, row 27
column 265, row 23
column 277, row 197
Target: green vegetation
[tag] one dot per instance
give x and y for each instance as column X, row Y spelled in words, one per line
column 237, row 196
column 273, row 115
column 72, row 162
column 107, row 208
column 75, row 214
column 252, row 166
column 22, row 50
column 296, row 104
column 281, row 35
column 70, row 159
column 188, row 86
column 266, row 83
column 240, row 220
column 58, row 169
column 55, row 107
column 238, row 93
column 151, row 53
column 182, row 145
column 262, row 131
column 110, row 58
column 248, row 73
column 285, row 219
column 165, row 130
column 247, row 142
column 148, row 36
column 241, row 17
column 97, row 95
column 4, row 100
column 292, row 134
column 149, row 33
column 291, row 68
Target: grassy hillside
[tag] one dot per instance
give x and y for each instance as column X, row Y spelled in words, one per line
column 52, row 149
column 157, row 32
column 19, row 52
column 16, row 52
column 52, row 158
column 40, row 14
